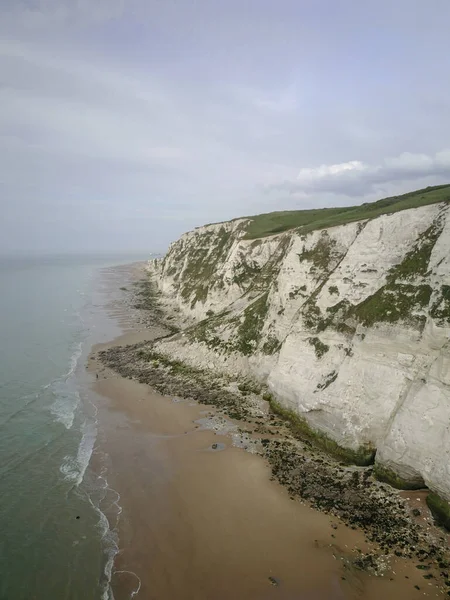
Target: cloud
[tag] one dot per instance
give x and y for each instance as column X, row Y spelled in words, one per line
column 64, row 106
column 356, row 178
column 145, row 118
column 284, row 100
column 46, row 13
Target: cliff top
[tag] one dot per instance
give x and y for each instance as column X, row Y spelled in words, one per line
column 319, row 218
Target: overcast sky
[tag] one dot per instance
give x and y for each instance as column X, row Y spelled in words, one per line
column 124, row 123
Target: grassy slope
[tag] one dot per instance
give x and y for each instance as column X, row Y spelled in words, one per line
column 309, row 220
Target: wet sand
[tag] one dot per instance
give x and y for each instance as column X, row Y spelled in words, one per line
column 204, row 524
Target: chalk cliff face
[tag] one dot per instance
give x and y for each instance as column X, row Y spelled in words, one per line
column 348, row 326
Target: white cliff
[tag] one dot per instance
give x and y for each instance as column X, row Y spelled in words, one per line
column 349, row 327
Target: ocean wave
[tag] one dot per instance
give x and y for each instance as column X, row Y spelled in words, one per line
column 139, row 583
column 74, row 467
column 64, row 407
column 108, row 534
column 74, row 359
column 110, row 540
column 64, row 390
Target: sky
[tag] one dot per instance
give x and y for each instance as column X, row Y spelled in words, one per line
column 124, row 123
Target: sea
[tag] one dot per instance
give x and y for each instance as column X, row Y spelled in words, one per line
column 56, row 541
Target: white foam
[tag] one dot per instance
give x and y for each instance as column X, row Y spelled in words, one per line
column 67, row 397
column 136, row 591
column 110, row 539
column 108, row 531
column 74, row 359
column 63, row 408
column 74, row 467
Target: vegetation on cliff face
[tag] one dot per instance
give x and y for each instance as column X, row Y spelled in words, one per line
column 310, row 220
column 245, row 329
column 416, row 261
column 195, row 269
column 401, row 298
column 200, row 272
column 440, row 310
column 246, row 273
column 271, row 345
column 248, row 332
column 392, row 303
column 242, row 332
column 440, row 509
column 405, row 296
column 267, row 277
column 319, row 347
column 208, row 331
column 322, row 256
column 383, row 473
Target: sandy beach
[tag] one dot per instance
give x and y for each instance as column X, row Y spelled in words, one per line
column 202, row 519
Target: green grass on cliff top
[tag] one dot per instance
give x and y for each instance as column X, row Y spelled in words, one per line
column 320, row 218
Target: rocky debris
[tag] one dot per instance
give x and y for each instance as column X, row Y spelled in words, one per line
column 218, row 424
column 172, row 378
column 353, row 495
column 244, row 440
column 142, row 299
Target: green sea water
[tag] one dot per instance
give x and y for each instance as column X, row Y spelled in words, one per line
column 55, row 541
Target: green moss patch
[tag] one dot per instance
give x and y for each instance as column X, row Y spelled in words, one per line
column 272, row 345
column 440, row 509
column 245, row 273
column 246, row 327
column 393, row 302
column 312, row 315
column 208, row 331
column 249, row 386
column 334, row 316
column 400, row 300
column 248, row 333
column 300, row 428
column 416, row 261
column 297, row 291
column 321, row 254
column 387, row 475
column 319, row 347
column 440, row 310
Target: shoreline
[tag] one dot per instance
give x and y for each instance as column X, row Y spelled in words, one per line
column 240, row 419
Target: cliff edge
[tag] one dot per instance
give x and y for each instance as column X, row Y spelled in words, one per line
column 343, row 313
